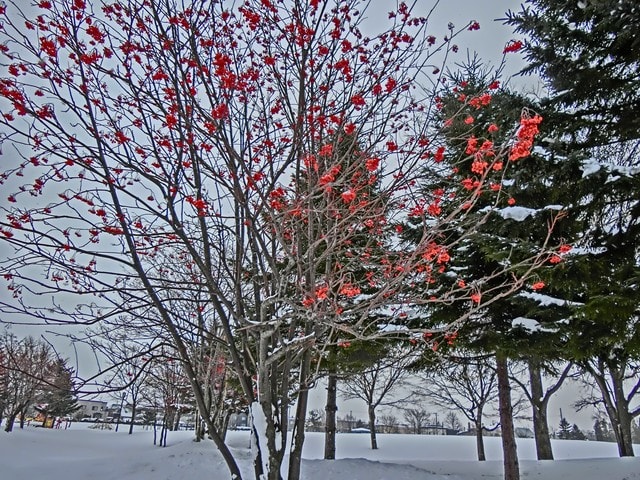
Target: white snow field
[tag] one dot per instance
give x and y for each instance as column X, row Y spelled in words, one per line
column 80, row 453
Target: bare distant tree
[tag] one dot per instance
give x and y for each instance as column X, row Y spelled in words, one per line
column 25, row 363
column 377, row 386
column 452, row 422
column 417, row 418
column 389, row 423
column 465, row 384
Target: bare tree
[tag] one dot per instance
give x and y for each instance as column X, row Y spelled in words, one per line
column 379, row 385
column 417, row 418
column 389, row 423
column 452, row 422
column 613, row 385
column 167, row 387
column 539, row 397
column 466, row 384
column 127, row 355
column 26, row 363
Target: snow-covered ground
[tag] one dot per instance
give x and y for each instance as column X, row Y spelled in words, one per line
column 81, row 453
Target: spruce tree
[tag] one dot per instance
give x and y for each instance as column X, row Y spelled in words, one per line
column 58, row 398
column 597, row 431
column 564, row 429
column 576, row 433
column 529, row 325
column 587, row 53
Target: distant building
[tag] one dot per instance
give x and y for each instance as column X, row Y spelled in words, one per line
column 94, row 409
column 239, row 421
column 523, row 432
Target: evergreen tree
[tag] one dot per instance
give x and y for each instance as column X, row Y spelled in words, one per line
column 58, row 398
column 576, row 433
column 564, row 429
column 602, row 431
column 597, row 431
column 511, row 228
column 528, row 325
column 635, row 432
column 588, row 53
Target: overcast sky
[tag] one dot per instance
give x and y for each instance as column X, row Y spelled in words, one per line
column 489, row 41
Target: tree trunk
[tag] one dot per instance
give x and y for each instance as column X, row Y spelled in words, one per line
column 198, row 431
column 298, row 436
column 163, row 435
column 10, row 419
column 480, row 441
column 509, row 448
column 224, row 428
column 297, row 442
column 616, row 404
column 330, row 417
column 155, row 431
column 176, row 421
column 273, row 454
column 372, row 427
column 133, row 416
column 623, row 430
column 23, row 415
column 539, row 406
column 269, row 424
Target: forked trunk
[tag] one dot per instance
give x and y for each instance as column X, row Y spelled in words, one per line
column 539, row 406
column 623, row 427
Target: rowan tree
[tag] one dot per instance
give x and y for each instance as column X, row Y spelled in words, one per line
column 167, row 158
